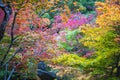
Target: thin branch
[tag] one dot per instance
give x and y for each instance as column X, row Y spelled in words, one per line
column 6, row 70
column 12, row 39
column 12, row 34
column 11, row 73
column 17, row 51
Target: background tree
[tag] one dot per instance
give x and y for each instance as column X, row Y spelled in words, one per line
column 104, row 39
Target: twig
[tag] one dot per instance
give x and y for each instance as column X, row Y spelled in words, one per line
column 6, row 70
column 17, row 51
column 11, row 73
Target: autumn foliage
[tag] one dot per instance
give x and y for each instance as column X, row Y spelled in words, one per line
column 68, row 33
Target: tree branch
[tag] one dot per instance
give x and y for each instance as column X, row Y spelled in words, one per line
column 12, row 39
column 17, row 51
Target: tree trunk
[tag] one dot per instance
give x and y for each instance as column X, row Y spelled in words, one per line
column 118, row 71
column 117, row 65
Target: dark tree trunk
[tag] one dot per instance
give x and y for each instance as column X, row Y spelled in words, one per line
column 2, row 16
column 117, row 65
column 118, row 72
column 5, row 12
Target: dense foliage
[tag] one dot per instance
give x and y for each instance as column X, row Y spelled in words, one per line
column 83, row 35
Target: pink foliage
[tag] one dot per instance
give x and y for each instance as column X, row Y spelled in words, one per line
column 88, row 54
column 74, row 21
